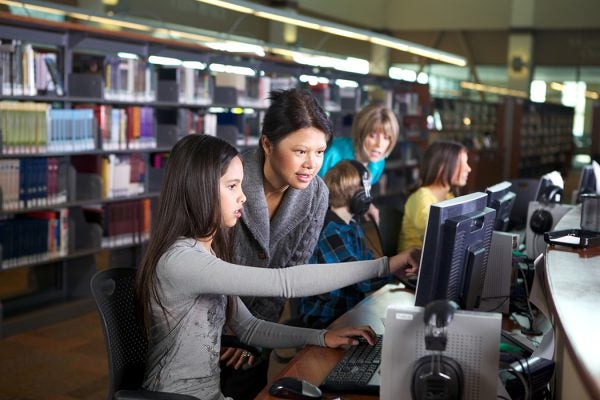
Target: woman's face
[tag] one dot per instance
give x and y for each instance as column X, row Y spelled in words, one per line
column 296, row 159
column 377, row 143
column 231, row 195
column 461, row 172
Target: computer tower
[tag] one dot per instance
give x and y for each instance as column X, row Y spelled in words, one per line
column 541, row 218
column 495, row 295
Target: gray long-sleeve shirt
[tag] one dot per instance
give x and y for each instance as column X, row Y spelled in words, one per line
column 183, row 354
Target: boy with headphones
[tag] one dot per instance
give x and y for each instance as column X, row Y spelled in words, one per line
column 342, row 239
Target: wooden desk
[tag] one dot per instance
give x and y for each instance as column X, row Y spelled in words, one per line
column 314, row 363
column 572, row 281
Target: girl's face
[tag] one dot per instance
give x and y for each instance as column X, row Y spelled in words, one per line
column 376, row 143
column 461, row 172
column 296, row 159
column 231, row 195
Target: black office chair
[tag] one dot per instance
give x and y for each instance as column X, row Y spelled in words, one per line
column 124, row 337
column 126, row 343
column 390, row 225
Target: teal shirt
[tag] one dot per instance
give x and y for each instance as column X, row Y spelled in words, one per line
column 341, row 149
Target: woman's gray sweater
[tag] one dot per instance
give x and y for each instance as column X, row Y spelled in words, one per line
column 287, row 239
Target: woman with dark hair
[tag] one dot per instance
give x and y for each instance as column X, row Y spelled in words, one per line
column 443, row 171
column 284, row 213
column 187, row 287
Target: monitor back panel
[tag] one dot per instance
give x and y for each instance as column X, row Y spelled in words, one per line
column 473, row 340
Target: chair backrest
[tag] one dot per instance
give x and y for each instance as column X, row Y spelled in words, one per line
column 390, row 225
column 126, row 343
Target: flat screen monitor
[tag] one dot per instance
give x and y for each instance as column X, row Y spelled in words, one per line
column 501, row 199
column 587, row 182
column 550, row 188
column 455, row 251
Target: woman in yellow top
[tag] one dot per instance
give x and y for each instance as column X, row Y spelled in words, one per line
column 443, row 171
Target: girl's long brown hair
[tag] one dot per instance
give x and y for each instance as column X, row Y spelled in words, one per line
column 189, row 206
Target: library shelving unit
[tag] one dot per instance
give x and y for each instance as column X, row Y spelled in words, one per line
column 411, row 102
column 540, row 135
column 86, row 124
column 476, row 125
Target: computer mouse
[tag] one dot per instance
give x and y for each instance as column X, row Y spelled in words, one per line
column 294, row 388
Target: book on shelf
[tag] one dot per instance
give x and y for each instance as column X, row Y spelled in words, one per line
column 24, row 126
column 34, row 236
column 195, row 86
column 124, row 222
column 122, row 175
column 27, row 71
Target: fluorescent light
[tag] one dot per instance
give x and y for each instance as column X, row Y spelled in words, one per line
column 493, row 89
column 33, row 7
column 537, row 91
column 389, row 43
column 237, row 47
column 346, row 83
column 232, row 69
column 194, row 65
column 345, row 33
column 129, row 56
column 402, row 74
column 287, row 20
column 168, row 61
column 228, row 5
column 313, row 80
column 109, row 21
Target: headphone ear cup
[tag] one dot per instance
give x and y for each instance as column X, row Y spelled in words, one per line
column 427, row 384
column 359, row 203
column 541, row 221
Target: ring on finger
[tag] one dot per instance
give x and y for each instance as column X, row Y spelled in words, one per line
column 245, row 354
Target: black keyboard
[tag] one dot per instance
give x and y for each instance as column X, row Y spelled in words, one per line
column 354, row 371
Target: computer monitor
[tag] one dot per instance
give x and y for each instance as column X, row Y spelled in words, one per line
column 455, row 251
column 587, row 182
column 501, row 199
column 550, row 188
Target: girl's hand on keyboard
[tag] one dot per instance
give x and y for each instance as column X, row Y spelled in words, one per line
column 349, row 336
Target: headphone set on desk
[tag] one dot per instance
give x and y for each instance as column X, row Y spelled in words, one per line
column 541, row 219
column 361, row 200
column 436, row 376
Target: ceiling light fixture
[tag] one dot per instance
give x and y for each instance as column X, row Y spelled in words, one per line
column 493, row 89
column 339, row 30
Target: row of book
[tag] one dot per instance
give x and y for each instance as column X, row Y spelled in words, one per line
column 25, row 71
column 34, row 236
column 128, row 79
column 31, row 128
column 123, row 222
column 33, row 182
column 125, row 128
column 122, row 175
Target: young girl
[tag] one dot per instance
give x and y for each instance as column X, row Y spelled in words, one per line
column 374, row 136
column 187, row 288
column 443, row 171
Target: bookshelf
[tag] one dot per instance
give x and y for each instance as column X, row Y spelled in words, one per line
column 540, row 137
column 477, row 126
column 85, row 137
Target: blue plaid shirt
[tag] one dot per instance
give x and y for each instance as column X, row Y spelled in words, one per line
column 338, row 242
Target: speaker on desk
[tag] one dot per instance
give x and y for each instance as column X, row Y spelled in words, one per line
column 437, row 376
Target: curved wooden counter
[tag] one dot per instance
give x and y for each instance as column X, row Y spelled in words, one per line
column 573, row 284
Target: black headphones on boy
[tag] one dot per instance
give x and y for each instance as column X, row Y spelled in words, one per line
column 361, row 200
column 436, row 376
